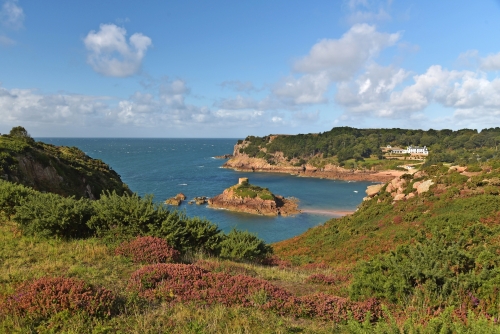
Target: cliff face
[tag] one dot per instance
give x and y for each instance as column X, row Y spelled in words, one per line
column 61, row 170
column 242, row 162
column 271, row 205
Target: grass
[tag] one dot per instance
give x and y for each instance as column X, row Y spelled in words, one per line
column 24, row 258
column 247, row 190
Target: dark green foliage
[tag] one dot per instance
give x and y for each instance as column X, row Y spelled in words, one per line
column 66, row 171
column 243, row 245
column 126, row 215
column 460, row 147
column 189, row 234
column 50, row 215
column 247, row 190
column 12, row 195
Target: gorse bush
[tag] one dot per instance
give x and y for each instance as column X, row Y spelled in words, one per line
column 189, row 234
column 243, row 245
column 125, row 215
column 118, row 218
column 11, row 196
column 148, row 250
column 47, row 296
column 50, row 215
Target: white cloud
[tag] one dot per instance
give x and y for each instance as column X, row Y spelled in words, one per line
column 380, row 93
column 29, row 105
column 307, row 89
column 367, row 16
column 343, row 57
column 110, row 54
column 11, row 15
column 491, row 62
column 173, row 93
column 239, row 102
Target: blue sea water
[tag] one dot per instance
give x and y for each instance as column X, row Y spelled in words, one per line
column 164, row 167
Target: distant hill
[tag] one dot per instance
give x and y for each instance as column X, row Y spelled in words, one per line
column 361, row 148
column 62, row 170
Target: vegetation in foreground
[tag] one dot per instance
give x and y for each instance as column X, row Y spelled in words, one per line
column 126, row 264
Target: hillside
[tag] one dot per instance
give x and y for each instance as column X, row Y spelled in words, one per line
column 356, row 154
column 62, row 170
column 420, row 255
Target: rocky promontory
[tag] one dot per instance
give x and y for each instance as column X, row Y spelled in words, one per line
column 244, row 197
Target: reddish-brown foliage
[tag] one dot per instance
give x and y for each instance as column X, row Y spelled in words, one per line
column 275, row 261
column 186, row 283
column 339, row 309
column 328, row 280
column 148, row 250
column 397, row 219
column 49, row 295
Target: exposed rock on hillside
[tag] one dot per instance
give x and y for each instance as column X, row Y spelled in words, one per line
column 242, row 162
column 248, row 198
column 66, row 171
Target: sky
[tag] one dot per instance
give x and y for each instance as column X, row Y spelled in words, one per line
column 229, row 69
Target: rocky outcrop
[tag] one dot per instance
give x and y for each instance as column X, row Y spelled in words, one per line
column 177, row 200
column 224, row 156
column 398, row 188
column 245, row 163
column 373, row 190
column 263, row 203
column 66, row 171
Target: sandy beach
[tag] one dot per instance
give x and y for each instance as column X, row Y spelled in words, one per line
column 333, row 213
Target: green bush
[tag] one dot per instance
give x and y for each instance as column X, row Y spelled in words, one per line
column 241, row 245
column 189, row 234
column 12, row 195
column 50, row 215
column 124, row 216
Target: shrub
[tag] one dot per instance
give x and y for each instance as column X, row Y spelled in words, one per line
column 50, row 215
column 189, row 234
column 46, row 296
column 12, row 195
column 188, row 283
column 126, row 215
column 148, row 250
column 241, row 245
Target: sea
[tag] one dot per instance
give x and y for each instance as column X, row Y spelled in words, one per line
column 165, row 167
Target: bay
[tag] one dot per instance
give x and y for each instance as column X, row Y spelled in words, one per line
column 167, row 166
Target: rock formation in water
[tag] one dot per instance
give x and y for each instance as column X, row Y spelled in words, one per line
column 244, row 197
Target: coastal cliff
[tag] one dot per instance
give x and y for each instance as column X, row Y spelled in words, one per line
column 244, row 197
column 62, row 170
column 277, row 163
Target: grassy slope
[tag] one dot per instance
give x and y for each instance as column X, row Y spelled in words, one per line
column 379, row 225
column 24, row 258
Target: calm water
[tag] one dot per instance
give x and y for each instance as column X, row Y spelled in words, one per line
column 165, row 167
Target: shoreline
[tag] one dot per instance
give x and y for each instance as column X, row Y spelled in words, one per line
column 327, row 212
column 380, row 176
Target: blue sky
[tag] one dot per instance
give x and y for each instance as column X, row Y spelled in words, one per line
column 237, row 68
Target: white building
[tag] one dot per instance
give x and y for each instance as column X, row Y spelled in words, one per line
column 409, row 150
column 417, row 150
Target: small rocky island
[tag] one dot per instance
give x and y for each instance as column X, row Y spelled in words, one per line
column 244, row 197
